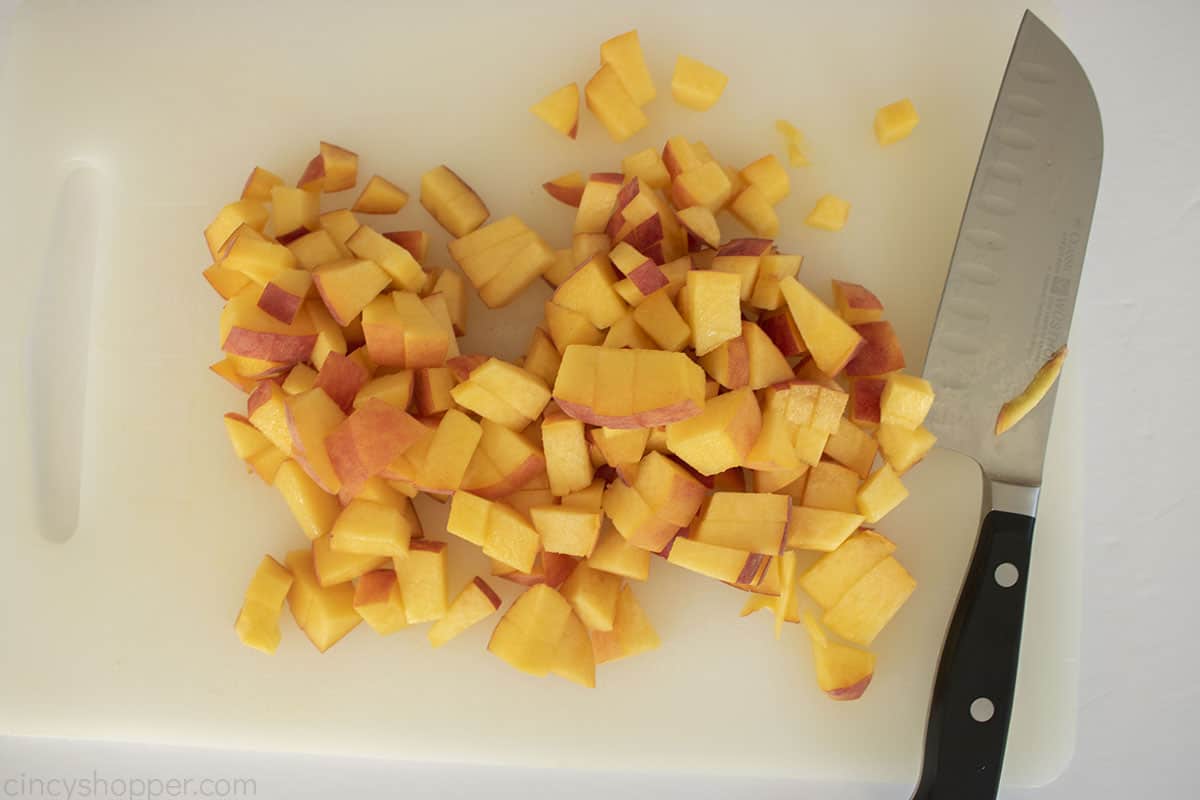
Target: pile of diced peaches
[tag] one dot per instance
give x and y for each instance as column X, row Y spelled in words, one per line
column 684, row 397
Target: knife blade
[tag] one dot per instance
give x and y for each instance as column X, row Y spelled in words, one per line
column 1006, row 307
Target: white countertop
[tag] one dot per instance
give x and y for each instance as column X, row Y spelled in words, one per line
column 1132, row 333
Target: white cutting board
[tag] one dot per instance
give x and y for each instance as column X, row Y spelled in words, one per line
column 151, row 114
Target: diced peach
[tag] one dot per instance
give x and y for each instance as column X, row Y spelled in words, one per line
column 843, row 672
column 769, row 176
column 613, row 554
column 593, row 596
column 834, row 573
column 753, row 209
column 422, row 578
column 589, row 291
column 569, row 327
column 380, row 196
column 542, row 358
column 1016, row 409
column 830, row 213
column 820, row 529
column 564, row 263
column 574, row 658
column 710, row 303
column 378, row 600
column 696, row 85
column 365, row 527
column 880, row 352
column 224, row 281
column 865, row 396
column 450, row 450
column 404, row 271
column 780, row 328
column 597, row 203
column 510, row 538
column 612, row 104
column 416, row 242
column 729, row 364
column 880, row 493
column 895, row 121
column 258, row 185
column 721, row 436
column 624, row 54
column 672, row 387
column 648, row 167
column 560, row 110
column 641, row 271
column 852, row 447
column 528, row 634
column 566, row 189
column 751, row 522
column 658, row 317
column 833, row 487
column 400, row 331
column 567, row 461
column 257, row 622
column 325, row 614
column 856, row 304
column 340, row 225
column 333, row 567
column 830, row 340
column 244, row 212
column 632, row 632
column 475, row 603
column 311, row 417
column 706, row 185
column 902, row 448
column 370, row 439
column 451, row 202
column 701, row 223
column 571, row 531
column 905, row 401
column 723, row 563
column 395, row 389
column 867, row 606
column 294, row 212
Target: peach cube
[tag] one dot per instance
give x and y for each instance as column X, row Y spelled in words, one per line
column 378, row 600
column 721, row 436
column 880, row 493
column 368, row 528
column 820, row 529
column 829, row 214
column 528, row 634
column 903, row 448
column 697, row 85
column 895, row 121
column 868, row 605
column 571, row 531
column 905, row 401
column 834, row 573
column 560, row 110
column 325, row 614
column 624, row 54
column 313, row 508
column 422, row 578
column 613, row 554
column 473, row 604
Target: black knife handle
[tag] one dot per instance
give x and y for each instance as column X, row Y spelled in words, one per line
column 963, row 756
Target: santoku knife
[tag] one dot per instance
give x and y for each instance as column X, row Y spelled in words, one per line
column 1005, row 309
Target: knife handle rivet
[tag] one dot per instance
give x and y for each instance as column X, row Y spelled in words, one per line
column 982, row 709
column 1007, row 575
